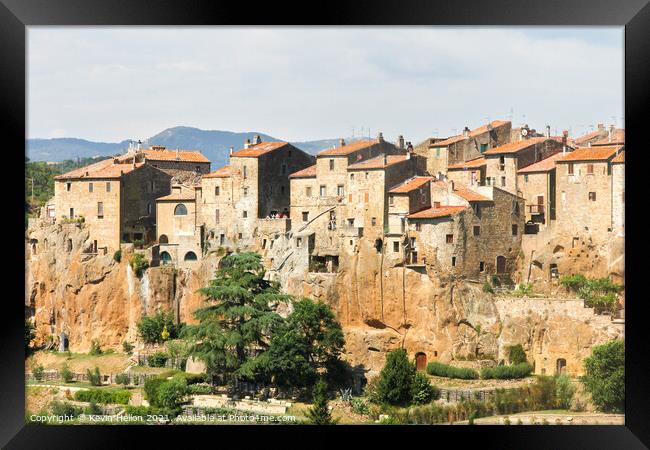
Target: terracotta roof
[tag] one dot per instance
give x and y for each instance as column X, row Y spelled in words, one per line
column 600, row 153
column 587, row 137
column 377, row 162
column 305, row 173
column 102, row 169
column 258, row 150
column 473, row 133
column 223, row 172
column 171, row 155
column 617, row 138
column 469, row 195
column 514, row 147
column 433, row 213
column 620, row 159
column 544, row 165
column 347, row 149
column 471, row 164
column 410, row 185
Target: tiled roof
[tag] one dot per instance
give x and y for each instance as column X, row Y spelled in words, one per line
column 433, row 213
column 173, row 155
column 514, row 147
column 410, row 185
column 617, row 138
column 471, row 164
column 260, row 149
column 473, row 133
column 468, row 194
column 347, row 149
column 102, row 169
column 377, row 162
column 589, row 136
column 305, row 173
column 620, row 159
column 544, row 165
column 600, row 153
column 223, row 172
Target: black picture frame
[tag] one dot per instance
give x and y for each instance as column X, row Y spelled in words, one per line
column 16, row 15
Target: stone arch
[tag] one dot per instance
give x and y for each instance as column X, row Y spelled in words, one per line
column 163, row 239
column 180, row 210
column 190, row 256
column 166, row 258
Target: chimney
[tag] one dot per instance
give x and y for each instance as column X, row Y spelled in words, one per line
column 385, row 159
column 178, row 156
column 611, row 133
column 139, row 145
column 380, row 137
column 341, row 142
column 247, row 143
column 548, row 131
column 565, row 136
column 258, row 139
column 466, row 133
column 601, row 127
column 232, row 149
column 400, row 142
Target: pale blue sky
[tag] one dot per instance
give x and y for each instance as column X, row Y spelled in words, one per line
column 299, row 83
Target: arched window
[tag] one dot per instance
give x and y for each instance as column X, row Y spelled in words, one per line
column 180, row 210
column 190, row 256
column 165, row 258
column 163, row 239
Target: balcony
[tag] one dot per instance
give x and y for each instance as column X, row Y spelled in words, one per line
column 537, row 213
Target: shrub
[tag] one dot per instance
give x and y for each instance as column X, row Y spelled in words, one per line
column 523, row 290
column 66, row 373
column 360, row 406
column 93, row 409
column 320, row 414
column 487, row 287
column 127, row 347
column 171, row 393
column 157, row 359
column 139, row 264
column 94, row 377
column 396, row 379
column 123, row 378
column 95, row 348
column 192, row 378
column 120, row 396
column 444, row 370
column 509, row 372
column 150, row 328
column 38, row 371
column 200, row 389
column 151, row 386
column 117, row 256
column 564, row 391
column 59, row 408
column 604, row 376
column 496, row 281
column 596, row 292
column 516, row 354
column 138, row 243
column 422, row 391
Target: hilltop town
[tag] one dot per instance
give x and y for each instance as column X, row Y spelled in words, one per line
column 414, row 246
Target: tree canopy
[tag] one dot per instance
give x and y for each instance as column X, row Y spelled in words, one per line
column 604, row 376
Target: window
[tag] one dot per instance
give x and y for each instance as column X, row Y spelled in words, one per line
column 289, row 154
column 481, row 266
column 570, row 168
column 282, row 190
column 245, row 191
column 190, row 256
column 245, row 171
column 476, row 207
column 526, row 178
column 197, row 168
column 216, row 216
column 352, row 176
column 284, row 169
column 90, row 187
column 477, row 230
column 244, row 214
column 305, row 216
column 449, row 239
column 308, row 191
column 590, row 169
column 436, row 204
column 502, row 163
column 100, row 210
column 222, row 239
column 108, row 186
column 339, row 190
column 592, row 196
column 366, row 175
column 180, row 210
column 438, row 153
column 72, row 213
column 163, row 239
column 67, row 186
column 298, row 242
column 152, row 186
column 483, row 148
column 331, row 164
column 351, row 242
column 323, row 191
column 166, row 258
column 453, row 261
column 217, row 191
column 351, row 222
column 395, row 247
column 373, row 221
column 418, row 226
column 239, row 235
column 149, row 209
column 503, row 181
column 514, row 229
column 391, row 200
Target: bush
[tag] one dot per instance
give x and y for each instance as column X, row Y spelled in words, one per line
column 510, row 372
column 523, row 290
column 138, row 243
column 192, row 378
column 139, row 264
column 38, row 371
column 123, row 378
column 360, row 406
column 94, row 377
column 596, row 292
column 157, row 359
column 320, row 414
column 604, row 376
column 59, row 408
column 95, row 348
column 66, row 373
column 496, row 281
column 93, row 409
column 444, row 370
column 127, row 347
column 564, row 391
column 150, row 328
column 119, row 396
column 487, row 287
column 171, row 393
column 117, row 256
column 151, row 386
column 200, row 389
column 516, row 354
column 396, row 379
column 422, row 391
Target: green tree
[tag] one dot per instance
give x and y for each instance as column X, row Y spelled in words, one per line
column 320, row 414
column 150, row 328
column 604, row 376
column 516, row 354
column 172, row 393
column 396, row 379
column 239, row 319
column 422, row 391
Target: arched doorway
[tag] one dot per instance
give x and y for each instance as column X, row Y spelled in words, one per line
column 163, row 239
column 190, row 256
column 560, row 366
column 165, row 258
column 420, row 361
column 501, row 264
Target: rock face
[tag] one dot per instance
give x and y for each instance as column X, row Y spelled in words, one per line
column 380, row 308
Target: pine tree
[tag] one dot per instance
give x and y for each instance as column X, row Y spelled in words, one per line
column 320, row 414
column 396, row 379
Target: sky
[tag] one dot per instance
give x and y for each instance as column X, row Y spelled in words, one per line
column 304, row 83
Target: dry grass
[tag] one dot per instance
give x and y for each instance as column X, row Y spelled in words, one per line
column 79, row 362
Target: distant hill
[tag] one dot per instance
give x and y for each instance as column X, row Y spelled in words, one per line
column 214, row 144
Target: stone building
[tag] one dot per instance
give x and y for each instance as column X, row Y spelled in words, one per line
column 179, row 234
column 602, row 136
column 176, row 162
column 618, row 193
column 115, row 198
column 470, row 173
column 585, row 188
column 467, row 146
column 409, row 197
column 216, row 206
column 504, row 161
